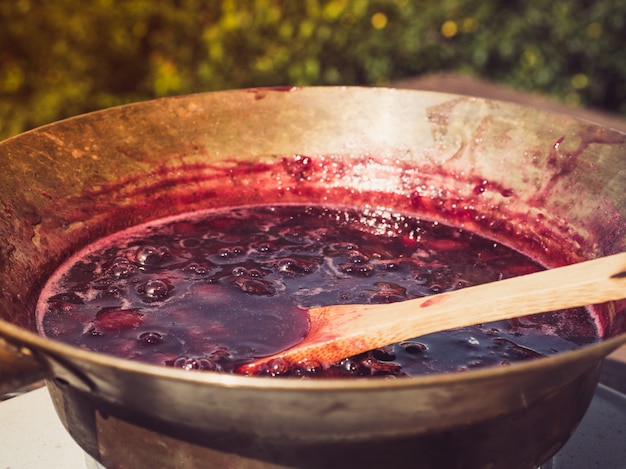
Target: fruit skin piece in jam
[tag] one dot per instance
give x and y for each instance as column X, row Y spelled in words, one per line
column 115, row 320
column 213, row 290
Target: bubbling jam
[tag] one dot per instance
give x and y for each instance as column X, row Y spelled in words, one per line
column 213, row 290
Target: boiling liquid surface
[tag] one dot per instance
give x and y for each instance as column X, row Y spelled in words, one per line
column 213, row 290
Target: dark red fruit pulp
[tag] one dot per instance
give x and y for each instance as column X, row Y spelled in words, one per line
column 213, row 290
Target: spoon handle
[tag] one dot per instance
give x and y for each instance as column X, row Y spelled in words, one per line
column 341, row 331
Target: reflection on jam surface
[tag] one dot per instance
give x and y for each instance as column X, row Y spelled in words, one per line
column 215, row 289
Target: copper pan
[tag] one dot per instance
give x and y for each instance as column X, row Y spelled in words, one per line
column 543, row 183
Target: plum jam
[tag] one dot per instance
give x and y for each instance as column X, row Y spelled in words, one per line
column 213, row 290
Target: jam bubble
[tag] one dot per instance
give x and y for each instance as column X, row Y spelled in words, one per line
column 154, row 290
column 150, row 338
column 194, row 363
column 149, row 255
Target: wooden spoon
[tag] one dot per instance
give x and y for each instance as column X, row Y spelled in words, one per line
column 340, row 331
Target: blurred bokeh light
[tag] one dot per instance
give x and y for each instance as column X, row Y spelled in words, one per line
column 67, row 57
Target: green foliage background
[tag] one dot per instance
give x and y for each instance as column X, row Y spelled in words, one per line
column 65, row 57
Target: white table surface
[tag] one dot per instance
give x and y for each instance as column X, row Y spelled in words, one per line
column 32, row 437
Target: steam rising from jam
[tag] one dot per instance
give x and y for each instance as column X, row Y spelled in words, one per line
column 213, row 290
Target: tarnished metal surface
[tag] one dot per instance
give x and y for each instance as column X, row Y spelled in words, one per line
column 19, row 367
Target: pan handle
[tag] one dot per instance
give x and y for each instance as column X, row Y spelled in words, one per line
column 20, row 367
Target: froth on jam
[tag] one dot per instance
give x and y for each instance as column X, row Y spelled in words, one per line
column 213, row 290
